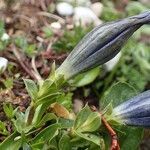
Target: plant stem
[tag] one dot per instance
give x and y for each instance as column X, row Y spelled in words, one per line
column 114, row 138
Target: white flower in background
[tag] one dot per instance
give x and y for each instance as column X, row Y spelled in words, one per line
column 64, row 9
column 3, row 64
column 5, row 37
column 113, row 62
column 85, row 16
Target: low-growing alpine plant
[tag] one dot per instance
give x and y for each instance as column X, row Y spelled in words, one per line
column 49, row 123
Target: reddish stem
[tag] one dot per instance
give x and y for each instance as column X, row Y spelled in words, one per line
column 114, row 139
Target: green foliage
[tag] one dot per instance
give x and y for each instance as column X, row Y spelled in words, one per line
column 9, row 111
column 129, row 137
column 28, row 49
column 47, row 32
column 85, row 78
column 70, row 39
column 31, row 88
column 12, row 142
column 48, row 119
column 135, row 8
column 3, row 43
column 64, row 142
column 117, row 94
column 109, row 12
column 3, row 129
column 46, row 134
column 8, row 83
column 87, row 121
column 2, row 29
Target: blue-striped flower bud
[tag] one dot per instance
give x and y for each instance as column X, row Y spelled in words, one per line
column 135, row 112
column 101, row 44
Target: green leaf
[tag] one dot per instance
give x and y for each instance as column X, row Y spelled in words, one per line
column 91, row 137
column 117, row 94
column 48, row 92
column 64, row 143
column 85, row 78
column 39, row 111
column 47, row 133
column 11, row 143
column 47, row 32
column 21, row 42
column 134, row 8
column 65, row 100
column 109, row 12
column 87, row 121
column 47, row 87
column 31, row 88
column 131, row 138
column 3, row 129
column 21, row 122
column 47, row 117
column 8, row 109
column 51, row 98
column 30, row 50
column 66, row 123
column 78, row 142
column 8, row 83
column 2, row 28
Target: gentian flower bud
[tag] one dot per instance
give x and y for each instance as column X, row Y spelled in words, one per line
column 101, row 44
column 135, row 112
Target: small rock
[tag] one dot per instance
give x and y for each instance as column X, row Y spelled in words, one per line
column 85, row 16
column 64, row 9
column 5, row 37
column 97, row 8
column 3, row 64
column 146, row 2
column 112, row 63
column 2, row 4
column 55, row 25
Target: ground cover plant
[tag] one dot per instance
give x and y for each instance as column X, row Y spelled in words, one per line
column 41, row 114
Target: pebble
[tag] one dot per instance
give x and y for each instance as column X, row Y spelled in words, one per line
column 55, row 25
column 97, row 8
column 112, row 63
column 64, row 9
column 85, row 16
column 145, row 2
column 3, row 64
